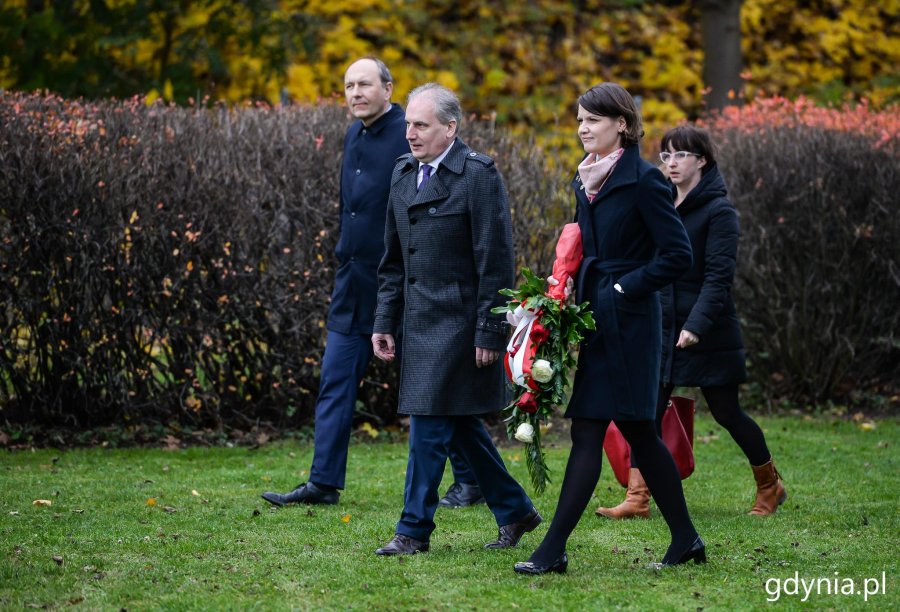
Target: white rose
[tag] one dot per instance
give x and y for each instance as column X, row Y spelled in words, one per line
column 525, row 433
column 541, row 371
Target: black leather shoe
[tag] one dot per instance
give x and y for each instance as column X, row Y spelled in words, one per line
column 527, row 567
column 460, row 495
column 305, row 493
column 509, row 535
column 696, row 553
column 402, row 545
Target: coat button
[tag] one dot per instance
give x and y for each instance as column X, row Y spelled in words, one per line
column 412, row 281
column 365, row 131
column 358, row 171
column 432, row 210
column 473, row 154
column 353, row 215
column 412, row 251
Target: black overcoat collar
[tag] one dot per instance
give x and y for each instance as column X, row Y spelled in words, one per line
column 626, row 172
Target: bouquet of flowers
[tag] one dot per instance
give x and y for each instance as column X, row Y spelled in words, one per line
column 538, row 357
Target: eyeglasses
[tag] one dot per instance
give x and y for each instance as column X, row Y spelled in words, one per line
column 666, row 156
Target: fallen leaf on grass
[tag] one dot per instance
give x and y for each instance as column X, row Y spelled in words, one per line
column 265, row 478
column 867, row 426
column 77, row 511
column 59, row 560
column 151, row 501
column 194, row 493
column 367, row 428
column 42, row 502
column 14, row 513
column 169, row 509
column 256, row 512
column 346, row 518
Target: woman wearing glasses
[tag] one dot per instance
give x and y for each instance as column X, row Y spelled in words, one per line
column 702, row 344
column 634, row 245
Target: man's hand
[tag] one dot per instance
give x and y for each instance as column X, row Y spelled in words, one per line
column 383, row 346
column 484, row 357
column 686, row 339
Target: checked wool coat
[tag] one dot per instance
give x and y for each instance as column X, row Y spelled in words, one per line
column 632, row 236
column 448, row 252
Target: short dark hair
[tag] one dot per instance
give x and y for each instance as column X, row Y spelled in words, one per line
column 613, row 100
column 383, row 73
column 687, row 137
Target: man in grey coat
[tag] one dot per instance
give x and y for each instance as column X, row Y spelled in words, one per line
column 370, row 147
column 448, row 251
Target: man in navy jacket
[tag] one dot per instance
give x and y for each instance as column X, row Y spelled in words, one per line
column 371, row 146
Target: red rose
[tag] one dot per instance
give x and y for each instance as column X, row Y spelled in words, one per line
column 528, row 403
column 539, row 333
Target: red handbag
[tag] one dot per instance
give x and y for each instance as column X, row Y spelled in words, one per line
column 677, row 435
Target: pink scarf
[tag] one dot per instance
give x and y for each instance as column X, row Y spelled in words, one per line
column 594, row 172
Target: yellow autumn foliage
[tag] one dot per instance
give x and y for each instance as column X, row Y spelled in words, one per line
column 524, row 62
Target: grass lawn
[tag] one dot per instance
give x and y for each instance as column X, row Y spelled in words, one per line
column 209, row 541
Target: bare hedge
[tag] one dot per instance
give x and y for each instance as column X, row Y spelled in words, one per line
column 175, row 264
column 163, row 264
column 818, row 283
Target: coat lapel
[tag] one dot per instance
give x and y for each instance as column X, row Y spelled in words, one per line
column 625, row 173
column 404, row 183
column 435, row 189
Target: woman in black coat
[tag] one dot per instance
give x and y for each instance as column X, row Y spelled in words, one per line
column 634, row 245
column 701, row 340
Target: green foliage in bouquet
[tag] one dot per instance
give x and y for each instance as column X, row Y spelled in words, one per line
column 559, row 328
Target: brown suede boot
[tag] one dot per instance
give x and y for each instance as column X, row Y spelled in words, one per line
column 770, row 491
column 637, row 499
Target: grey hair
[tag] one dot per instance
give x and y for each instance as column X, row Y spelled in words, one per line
column 383, row 72
column 446, row 103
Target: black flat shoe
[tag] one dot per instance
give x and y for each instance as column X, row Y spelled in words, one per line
column 696, row 553
column 305, row 493
column 527, row 567
column 461, row 495
column 402, row 545
column 508, row 536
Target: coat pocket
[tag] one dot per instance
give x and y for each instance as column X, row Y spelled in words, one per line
column 640, row 306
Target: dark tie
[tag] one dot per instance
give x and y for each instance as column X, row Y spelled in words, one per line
column 426, row 174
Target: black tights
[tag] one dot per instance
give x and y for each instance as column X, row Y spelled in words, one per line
column 726, row 410
column 583, row 472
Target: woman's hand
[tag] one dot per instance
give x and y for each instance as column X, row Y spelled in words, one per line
column 570, row 284
column 686, row 339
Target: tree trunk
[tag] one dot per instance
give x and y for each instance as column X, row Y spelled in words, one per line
column 720, row 27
